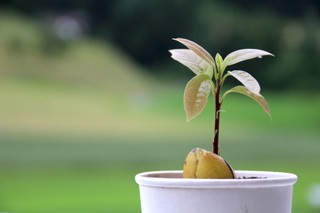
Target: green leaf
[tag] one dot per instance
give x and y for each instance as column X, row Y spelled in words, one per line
column 244, row 54
column 257, row 97
column 197, row 49
column 247, row 80
column 192, row 61
column 196, row 95
column 220, row 65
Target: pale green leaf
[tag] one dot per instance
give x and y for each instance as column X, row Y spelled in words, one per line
column 257, row 97
column 192, row 61
column 196, row 95
column 197, row 49
column 244, row 54
column 247, row 80
column 220, row 65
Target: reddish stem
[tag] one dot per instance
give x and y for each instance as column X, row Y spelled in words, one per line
column 217, row 121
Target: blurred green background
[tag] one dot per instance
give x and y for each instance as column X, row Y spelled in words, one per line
column 89, row 97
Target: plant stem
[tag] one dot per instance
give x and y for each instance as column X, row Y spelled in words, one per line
column 216, row 120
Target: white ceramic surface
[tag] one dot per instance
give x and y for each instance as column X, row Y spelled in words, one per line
column 168, row 192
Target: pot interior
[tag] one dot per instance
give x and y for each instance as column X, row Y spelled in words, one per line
column 246, row 179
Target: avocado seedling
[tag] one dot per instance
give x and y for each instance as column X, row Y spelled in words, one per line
column 210, row 76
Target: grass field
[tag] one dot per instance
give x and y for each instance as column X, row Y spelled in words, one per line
column 74, row 130
column 53, row 162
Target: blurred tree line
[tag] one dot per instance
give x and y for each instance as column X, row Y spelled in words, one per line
column 143, row 29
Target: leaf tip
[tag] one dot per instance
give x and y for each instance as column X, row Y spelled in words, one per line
column 189, row 117
column 171, row 51
column 270, row 115
column 267, row 54
column 267, row 110
column 176, row 39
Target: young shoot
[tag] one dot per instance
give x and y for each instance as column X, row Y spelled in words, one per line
column 211, row 74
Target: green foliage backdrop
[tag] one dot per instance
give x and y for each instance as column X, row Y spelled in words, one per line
column 144, row 29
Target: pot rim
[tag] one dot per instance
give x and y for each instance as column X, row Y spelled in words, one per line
column 173, row 179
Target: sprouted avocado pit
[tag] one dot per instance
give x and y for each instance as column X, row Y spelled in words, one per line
column 211, row 74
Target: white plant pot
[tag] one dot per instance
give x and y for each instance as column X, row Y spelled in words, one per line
column 168, row 192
